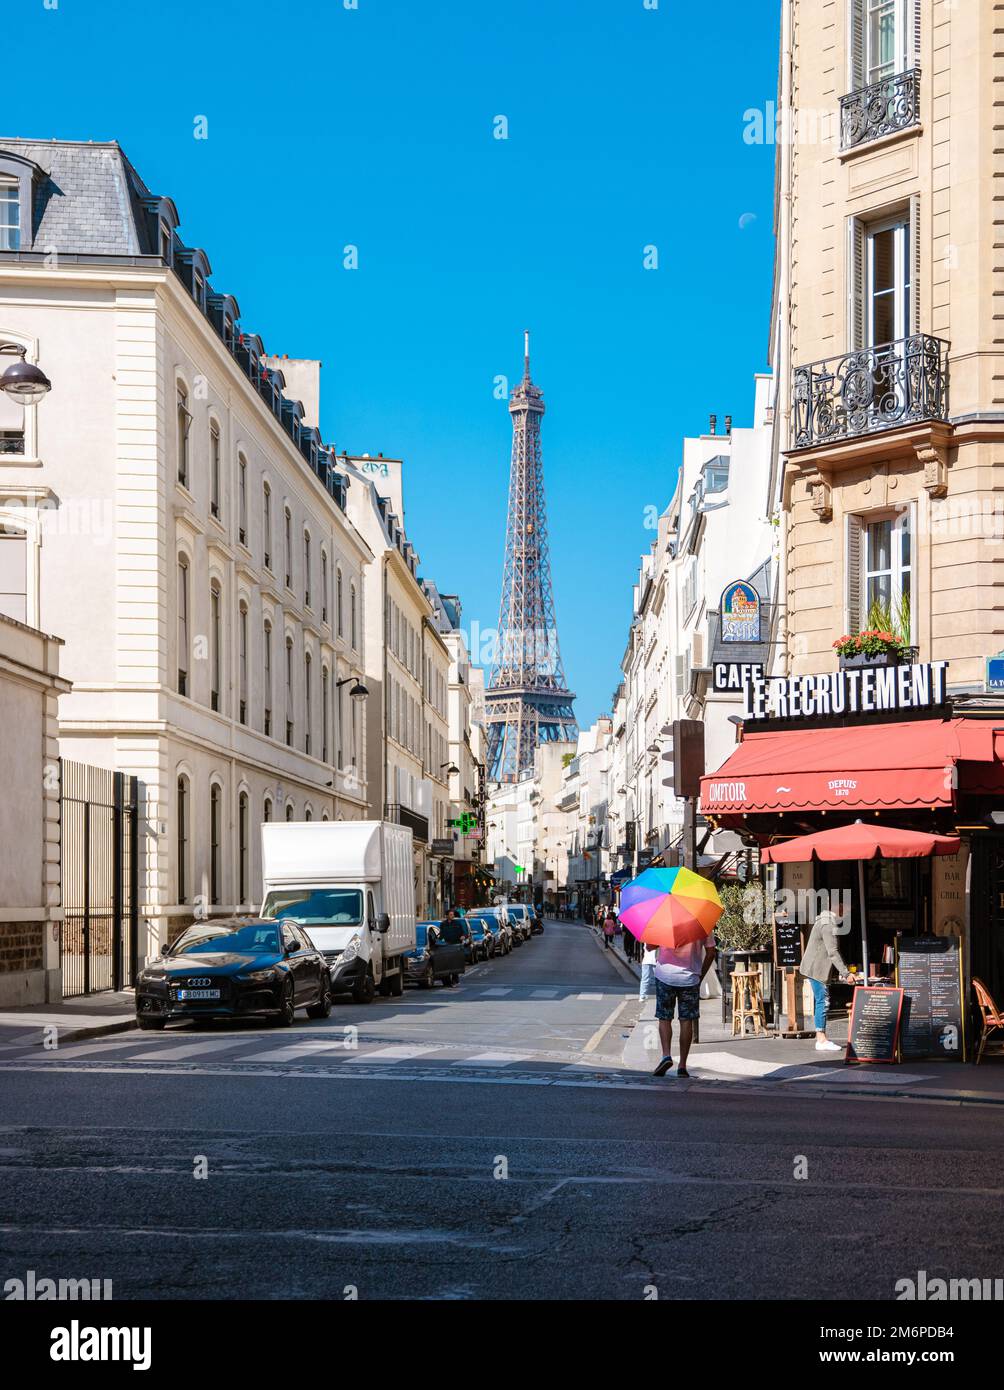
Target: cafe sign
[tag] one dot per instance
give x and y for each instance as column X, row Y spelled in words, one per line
column 857, row 690
column 740, row 612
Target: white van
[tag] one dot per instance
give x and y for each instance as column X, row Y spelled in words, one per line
column 350, row 885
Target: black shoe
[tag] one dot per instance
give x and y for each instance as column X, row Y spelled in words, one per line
column 663, row 1066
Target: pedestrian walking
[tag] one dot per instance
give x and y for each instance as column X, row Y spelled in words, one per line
column 678, row 975
column 820, row 959
column 610, row 929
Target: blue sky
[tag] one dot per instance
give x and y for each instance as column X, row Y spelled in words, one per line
column 374, row 126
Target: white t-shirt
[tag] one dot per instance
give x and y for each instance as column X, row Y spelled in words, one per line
column 682, row 967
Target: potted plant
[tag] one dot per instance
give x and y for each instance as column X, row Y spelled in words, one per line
column 871, row 647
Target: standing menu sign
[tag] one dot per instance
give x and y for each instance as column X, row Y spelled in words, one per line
column 787, row 945
column 929, row 969
column 873, row 1035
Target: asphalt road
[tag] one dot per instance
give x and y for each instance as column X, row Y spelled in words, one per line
column 473, row 1144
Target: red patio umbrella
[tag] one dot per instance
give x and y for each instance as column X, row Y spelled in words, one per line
column 861, row 841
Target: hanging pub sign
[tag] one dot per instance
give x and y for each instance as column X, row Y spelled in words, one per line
column 740, row 612
column 858, row 690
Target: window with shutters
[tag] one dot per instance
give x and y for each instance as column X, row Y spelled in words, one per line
column 184, row 425
column 289, row 692
column 884, row 70
column 181, row 848
column 325, row 707
column 880, row 573
column 214, row 843
column 887, row 281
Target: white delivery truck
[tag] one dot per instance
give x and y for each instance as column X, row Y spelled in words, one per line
column 351, row 886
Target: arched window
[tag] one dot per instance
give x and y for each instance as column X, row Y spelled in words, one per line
column 266, row 810
column 214, row 469
column 307, row 702
column 353, row 634
column 289, row 810
column 242, row 499
column 184, row 811
column 306, row 568
column 267, row 676
column 184, row 428
column 266, row 525
column 308, row 814
column 214, row 843
column 338, row 602
column 325, row 701
column 215, row 646
column 289, row 692
column 242, row 675
column 184, row 649
column 324, row 586
column 242, row 848
column 287, row 535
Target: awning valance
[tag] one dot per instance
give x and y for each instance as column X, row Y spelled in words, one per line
column 904, row 766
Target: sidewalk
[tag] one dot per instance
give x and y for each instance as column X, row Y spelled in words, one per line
column 795, row 1065
column 88, row 1016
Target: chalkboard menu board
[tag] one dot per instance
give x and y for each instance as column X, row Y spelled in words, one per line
column 928, row 968
column 787, row 945
column 873, row 1034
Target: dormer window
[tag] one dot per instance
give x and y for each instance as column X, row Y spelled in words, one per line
column 165, row 243
column 10, row 215
column 199, row 290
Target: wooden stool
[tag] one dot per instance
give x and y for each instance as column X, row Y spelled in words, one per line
column 746, row 986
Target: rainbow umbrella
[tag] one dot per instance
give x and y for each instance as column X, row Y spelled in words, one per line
column 670, row 907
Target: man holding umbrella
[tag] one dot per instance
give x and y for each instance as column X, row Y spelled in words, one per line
column 678, row 975
column 676, row 911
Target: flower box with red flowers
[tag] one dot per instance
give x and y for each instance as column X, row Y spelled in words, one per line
column 872, row 647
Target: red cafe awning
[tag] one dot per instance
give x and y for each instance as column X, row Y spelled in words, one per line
column 909, row 766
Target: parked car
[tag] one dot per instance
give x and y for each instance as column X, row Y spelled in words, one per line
column 235, row 967
column 497, row 924
column 433, row 958
column 519, row 916
column 478, row 941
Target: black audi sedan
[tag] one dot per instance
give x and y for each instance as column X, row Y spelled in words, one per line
column 235, row 968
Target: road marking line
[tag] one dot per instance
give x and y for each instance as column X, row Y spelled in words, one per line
column 196, row 1049
column 395, row 1054
column 544, row 994
column 491, row 1059
column 604, row 1027
column 589, row 996
column 303, row 1049
column 498, row 990
column 98, row 1045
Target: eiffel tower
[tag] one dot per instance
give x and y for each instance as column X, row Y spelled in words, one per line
column 527, row 702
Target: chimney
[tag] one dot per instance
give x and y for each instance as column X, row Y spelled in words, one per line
column 728, row 424
column 713, row 427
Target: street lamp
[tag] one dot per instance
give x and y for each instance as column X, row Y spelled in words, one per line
column 22, row 381
column 451, row 769
column 358, row 691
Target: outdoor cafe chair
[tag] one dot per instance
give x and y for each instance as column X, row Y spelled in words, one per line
column 991, row 1016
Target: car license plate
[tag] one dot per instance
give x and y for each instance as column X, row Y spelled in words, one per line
column 198, row 994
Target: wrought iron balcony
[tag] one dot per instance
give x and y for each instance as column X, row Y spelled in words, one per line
column 880, row 109
column 879, row 388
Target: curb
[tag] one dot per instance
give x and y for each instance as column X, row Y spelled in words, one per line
column 79, row 1034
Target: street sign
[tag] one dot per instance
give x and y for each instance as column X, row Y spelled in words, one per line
column 995, row 674
column 443, row 847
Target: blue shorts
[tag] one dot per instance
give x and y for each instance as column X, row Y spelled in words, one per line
column 667, row 997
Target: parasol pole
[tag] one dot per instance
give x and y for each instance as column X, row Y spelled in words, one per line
column 864, row 912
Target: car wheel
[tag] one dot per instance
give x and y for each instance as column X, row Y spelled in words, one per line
column 429, row 978
column 397, row 983
column 151, row 1024
column 322, row 1009
column 364, row 991
column 287, row 1006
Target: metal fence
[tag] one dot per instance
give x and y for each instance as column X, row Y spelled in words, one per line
column 98, row 943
